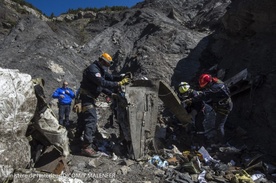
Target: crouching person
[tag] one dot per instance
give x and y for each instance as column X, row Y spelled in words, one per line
column 185, row 93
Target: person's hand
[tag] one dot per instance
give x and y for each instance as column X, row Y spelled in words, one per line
column 61, row 96
column 77, row 108
column 67, row 91
column 188, row 101
column 124, row 81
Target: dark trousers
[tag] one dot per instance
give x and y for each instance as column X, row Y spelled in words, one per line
column 80, row 126
column 88, row 120
column 219, row 125
column 90, row 126
column 64, row 111
column 221, row 117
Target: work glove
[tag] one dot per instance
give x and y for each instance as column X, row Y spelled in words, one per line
column 124, row 81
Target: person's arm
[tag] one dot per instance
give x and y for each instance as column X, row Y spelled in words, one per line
column 56, row 93
column 107, row 92
column 95, row 76
column 202, row 96
column 112, row 77
column 70, row 93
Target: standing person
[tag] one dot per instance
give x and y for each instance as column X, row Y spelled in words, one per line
column 216, row 94
column 64, row 96
column 95, row 80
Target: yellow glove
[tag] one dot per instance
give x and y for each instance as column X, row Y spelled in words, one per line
column 124, row 81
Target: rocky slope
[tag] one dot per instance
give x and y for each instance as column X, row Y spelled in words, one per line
column 140, row 39
column 170, row 40
column 246, row 41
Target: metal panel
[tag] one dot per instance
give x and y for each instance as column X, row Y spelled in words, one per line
column 172, row 102
column 239, row 83
column 139, row 117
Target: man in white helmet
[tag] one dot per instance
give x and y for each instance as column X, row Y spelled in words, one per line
column 185, row 92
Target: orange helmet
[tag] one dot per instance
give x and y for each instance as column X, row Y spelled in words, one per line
column 107, row 58
column 204, row 79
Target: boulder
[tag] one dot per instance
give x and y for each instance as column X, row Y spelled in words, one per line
column 24, row 117
column 18, row 104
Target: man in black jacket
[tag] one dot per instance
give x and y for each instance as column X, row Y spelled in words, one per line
column 95, row 80
column 216, row 94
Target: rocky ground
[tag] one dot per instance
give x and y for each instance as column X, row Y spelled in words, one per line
column 115, row 166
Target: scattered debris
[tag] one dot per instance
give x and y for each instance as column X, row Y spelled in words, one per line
column 155, row 160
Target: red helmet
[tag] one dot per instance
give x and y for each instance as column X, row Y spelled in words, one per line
column 204, row 79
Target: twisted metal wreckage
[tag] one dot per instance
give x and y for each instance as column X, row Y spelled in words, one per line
column 136, row 111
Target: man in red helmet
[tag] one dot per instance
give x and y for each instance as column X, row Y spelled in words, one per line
column 216, row 94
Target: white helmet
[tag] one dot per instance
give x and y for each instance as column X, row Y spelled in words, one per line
column 183, row 87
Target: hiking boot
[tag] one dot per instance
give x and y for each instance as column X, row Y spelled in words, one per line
column 90, row 152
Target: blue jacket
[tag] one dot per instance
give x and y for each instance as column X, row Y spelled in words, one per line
column 96, row 79
column 67, row 93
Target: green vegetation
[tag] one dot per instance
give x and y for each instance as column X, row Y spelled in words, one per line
column 106, row 8
column 23, row 2
column 71, row 11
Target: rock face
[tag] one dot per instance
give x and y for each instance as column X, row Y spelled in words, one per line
column 140, row 39
column 198, row 14
column 250, row 17
column 246, row 41
column 18, row 104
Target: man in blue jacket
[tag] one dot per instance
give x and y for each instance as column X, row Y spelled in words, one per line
column 96, row 80
column 64, row 96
